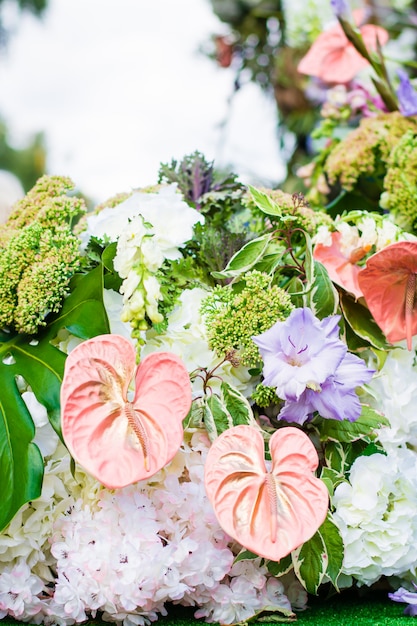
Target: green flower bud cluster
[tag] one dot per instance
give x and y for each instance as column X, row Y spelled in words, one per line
column 400, row 183
column 264, row 396
column 366, row 150
column 233, row 315
column 38, row 255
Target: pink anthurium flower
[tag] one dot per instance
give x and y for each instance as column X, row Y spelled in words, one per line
column 332, row 57
column 341, row 267
column 388, row 283
column 270, row 508
column 117, row 440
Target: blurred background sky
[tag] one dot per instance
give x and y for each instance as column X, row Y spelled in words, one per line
column 120, row 86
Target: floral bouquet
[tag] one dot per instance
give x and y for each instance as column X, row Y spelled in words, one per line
column 208, row 387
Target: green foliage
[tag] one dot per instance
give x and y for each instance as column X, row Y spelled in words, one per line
column 39, row 365
column 344, row 431
column 221, row 410
column 320, row 556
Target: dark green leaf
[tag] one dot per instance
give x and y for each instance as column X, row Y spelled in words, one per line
column 362, row 323
column 363, row 428
column 278, row 568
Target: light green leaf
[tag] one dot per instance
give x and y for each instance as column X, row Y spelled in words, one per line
column 245, row 555
column 246, row 258
column 264, row 202
column 331, row 479
column 237, row 405
column 324, row 297
column 217, row 419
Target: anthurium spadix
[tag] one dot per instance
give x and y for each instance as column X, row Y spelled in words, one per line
column 270, row 508
column 116, row 439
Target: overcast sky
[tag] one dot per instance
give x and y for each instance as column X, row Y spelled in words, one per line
column 119, row 86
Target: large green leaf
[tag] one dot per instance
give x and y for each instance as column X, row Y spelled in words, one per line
column 41, row 365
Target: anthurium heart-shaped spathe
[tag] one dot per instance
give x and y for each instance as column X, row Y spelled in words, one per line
column 116, row 440
column 388, row 283
column 269, row 511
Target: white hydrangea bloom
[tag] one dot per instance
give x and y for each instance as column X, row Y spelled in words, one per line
column 392, row 392
column 375, row 512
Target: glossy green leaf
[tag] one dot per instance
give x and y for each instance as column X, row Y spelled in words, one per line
column 246, row 258
column 310, row 563
column 324, row 297
column 362, row 323
column 264, row 202
column 333, row 542
column 331, row 479
column 41, row 365
column 321, row 556
column 279, row 568
column 225, row 409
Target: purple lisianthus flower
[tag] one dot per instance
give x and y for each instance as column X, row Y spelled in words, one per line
column 407, row 95
column 410, row 597
column 311, row 369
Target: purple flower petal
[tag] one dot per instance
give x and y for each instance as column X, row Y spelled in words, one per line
column 310, row 368
column 407, row 95
column 300, row 352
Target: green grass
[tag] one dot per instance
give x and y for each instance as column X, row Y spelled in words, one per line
column 346, row 609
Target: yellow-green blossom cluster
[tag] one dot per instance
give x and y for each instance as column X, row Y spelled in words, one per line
column 233, row 317
column 400, row 182
column 265, row 396
column 38, row 255
column 366, row 150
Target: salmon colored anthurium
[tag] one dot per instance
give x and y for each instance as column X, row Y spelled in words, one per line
column 268, row 510
column 342, row 268
column 116, row 439
column 332, row 57
column 388, row 283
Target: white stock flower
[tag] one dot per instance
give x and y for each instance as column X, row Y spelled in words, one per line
column 375, row 512
column 171, row 218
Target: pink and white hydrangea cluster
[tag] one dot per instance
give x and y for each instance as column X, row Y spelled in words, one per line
column 81, row 549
